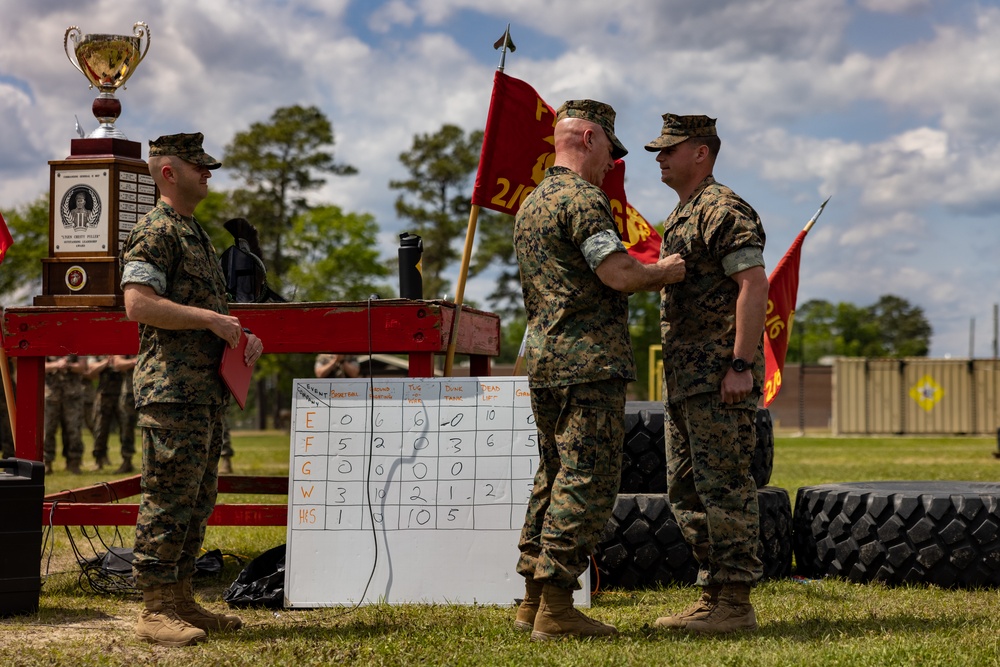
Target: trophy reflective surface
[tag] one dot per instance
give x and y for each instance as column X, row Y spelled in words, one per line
column 107, row 61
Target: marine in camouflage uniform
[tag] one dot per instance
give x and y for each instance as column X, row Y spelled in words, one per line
column 579, row 360
column 329, row 365
column 64, row 409
column 127, row 413
column 180, row 398
column 710, row 426
column 106, row 412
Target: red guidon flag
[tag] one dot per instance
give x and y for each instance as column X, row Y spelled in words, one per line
column 6, row 240
column 642, row 240
column 518, row 147
column 783, row 288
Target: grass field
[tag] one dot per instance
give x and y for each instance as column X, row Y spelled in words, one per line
column 824, row 622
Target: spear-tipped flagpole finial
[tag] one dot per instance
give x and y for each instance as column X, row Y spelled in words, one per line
column 503, row 44
column 816, row 215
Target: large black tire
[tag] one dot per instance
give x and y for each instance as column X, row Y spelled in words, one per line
column 775, row 549
column 642, row 545
column 942, row 533
column 763, row 453
column 644, row 465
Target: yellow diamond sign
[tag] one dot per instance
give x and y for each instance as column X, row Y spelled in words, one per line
column 926, row 393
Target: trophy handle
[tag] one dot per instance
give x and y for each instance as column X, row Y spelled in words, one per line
column 74, row 33
column 140, row 30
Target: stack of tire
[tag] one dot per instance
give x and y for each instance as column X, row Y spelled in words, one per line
column 900, row 532
column 642, row 545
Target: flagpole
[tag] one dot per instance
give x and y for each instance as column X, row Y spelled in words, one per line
column 812, row 220
column 8, row 393
column 470, row 235
column 519, row 364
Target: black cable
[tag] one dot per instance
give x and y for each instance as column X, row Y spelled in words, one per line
column 368, row 475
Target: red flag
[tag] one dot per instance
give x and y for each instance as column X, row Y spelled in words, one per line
column 643, row 241
column 783, row 287
column 518, row 147
column 6, row 240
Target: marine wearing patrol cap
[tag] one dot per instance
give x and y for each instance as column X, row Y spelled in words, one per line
column 681, row 128
column 185, row 146
column 595, row 112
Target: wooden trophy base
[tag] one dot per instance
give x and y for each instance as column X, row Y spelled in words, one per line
column 106, row 147
column 79, row 281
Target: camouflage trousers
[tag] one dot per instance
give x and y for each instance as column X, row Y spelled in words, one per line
column 713, row 496
column 110, row 408
column 581, row 431
column 63, row 411
column 227, row 440
column 180, row 475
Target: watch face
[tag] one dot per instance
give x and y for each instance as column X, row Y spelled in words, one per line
column 739, row 365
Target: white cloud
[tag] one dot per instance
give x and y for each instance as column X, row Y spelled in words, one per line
column 894, row 6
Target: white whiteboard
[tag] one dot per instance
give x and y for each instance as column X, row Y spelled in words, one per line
column 433, row 497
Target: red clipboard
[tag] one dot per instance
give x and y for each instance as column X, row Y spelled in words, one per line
column 234, row 372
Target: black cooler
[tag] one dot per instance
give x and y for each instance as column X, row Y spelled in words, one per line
column 22, row 490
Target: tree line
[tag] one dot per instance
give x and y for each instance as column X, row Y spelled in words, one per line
column 316, row 251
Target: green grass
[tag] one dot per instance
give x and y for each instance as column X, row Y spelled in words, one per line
column 825, row 622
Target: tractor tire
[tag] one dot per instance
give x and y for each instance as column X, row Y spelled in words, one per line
column 642, row 545
column 644, row 462
column 775, row 550
column 900, row 532
column 763, row 454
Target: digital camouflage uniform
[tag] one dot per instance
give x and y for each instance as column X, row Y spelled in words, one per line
column 579, row 361
column 324, row 358
column 63, row 409
column 179, row 396
column 710, row 444
column 106, row 411
column 128, row 415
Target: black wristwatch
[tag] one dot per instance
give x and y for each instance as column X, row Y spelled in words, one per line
column 739, row 365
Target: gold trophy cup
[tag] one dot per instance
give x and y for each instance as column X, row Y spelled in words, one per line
column 107, row 61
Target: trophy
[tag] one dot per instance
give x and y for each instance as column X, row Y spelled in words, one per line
column 107, row 61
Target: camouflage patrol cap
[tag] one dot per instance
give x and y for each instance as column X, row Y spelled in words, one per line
column 681, row 128
column 595, row 112
column 185, row 146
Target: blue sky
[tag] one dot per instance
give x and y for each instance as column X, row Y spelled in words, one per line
column 887, row 105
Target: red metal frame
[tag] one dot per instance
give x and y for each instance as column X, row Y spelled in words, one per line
column 420, row 329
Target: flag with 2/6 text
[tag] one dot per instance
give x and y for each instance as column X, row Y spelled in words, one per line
column 518, row 147
column 783, row 287
column 6, row 240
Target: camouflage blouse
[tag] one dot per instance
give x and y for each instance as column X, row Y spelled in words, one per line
column 717, row 234
column 173, row 255
column 577, row 326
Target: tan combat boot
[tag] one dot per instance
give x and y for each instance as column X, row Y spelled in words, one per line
column 525, row 618
column 699, row 610
column 226, row 465
column 125, row 467
column 159, row 624
column 557, row 618
column 733, row 612
column 73, row 467
column 193, row 613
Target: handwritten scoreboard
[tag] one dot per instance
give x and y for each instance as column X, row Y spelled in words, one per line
column 424, row 480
